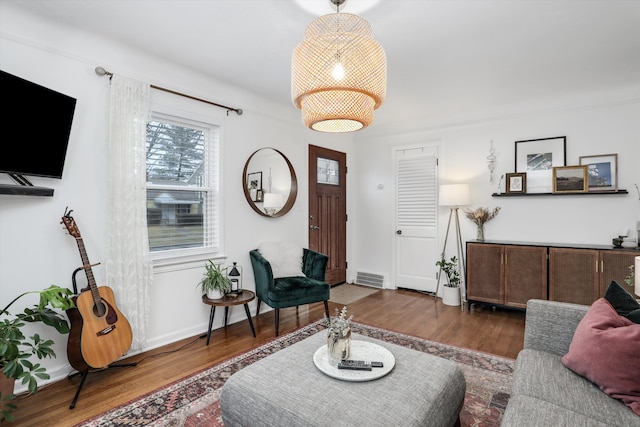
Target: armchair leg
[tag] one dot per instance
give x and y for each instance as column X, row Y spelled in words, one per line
column 326, row 309
column 258, row 307
column 277, row 310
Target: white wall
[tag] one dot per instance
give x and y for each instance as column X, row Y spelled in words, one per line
column 35, row 251
column 592, row 126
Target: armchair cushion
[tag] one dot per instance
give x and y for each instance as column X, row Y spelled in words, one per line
column 292, row 291
column 285, row 258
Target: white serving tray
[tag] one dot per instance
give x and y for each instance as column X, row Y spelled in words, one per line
column 360, row 350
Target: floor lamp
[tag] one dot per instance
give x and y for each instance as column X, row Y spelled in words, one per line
column 454, row 196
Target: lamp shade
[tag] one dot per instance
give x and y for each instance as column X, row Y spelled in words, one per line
column 454, row 195
column 272, row 200
column 338, row 74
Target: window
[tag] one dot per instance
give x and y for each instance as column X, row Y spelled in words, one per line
column 328, row 171
column 182, row 184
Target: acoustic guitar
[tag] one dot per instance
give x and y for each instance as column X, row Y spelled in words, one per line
column 100, row 333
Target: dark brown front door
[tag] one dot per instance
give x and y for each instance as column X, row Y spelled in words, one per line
column 328, row 209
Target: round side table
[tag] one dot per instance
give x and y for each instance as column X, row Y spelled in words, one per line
column 229, row 300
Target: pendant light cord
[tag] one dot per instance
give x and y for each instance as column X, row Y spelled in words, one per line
column 337, row 3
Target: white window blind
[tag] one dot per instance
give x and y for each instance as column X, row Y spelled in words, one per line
column 182, row 184
column 416, row 189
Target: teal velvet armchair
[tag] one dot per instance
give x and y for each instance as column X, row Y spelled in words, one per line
column 286, row 292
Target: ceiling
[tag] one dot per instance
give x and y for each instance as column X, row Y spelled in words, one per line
column 445, row 58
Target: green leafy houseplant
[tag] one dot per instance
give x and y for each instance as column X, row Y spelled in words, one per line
column 452, row 271
column 16, row 350
column 630, row 280
column 215, row 279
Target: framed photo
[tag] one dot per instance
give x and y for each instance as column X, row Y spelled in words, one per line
column 603, row 171
column 570, row 179
column 259, row 196
column 537, row 158
column 254, row 183
column 516, row 183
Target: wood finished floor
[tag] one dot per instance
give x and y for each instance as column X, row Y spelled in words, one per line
column 497, row 331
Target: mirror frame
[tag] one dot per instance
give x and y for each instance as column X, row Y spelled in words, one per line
column 293, row 191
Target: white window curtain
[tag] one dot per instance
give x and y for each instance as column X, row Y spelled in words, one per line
column 128, row 266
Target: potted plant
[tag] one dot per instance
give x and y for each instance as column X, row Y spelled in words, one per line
column 16, row 351
column 451, row 289
column 215, row 282
column 630, row 280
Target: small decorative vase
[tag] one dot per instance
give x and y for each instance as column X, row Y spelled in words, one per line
column 338, row 345
column 480, row 233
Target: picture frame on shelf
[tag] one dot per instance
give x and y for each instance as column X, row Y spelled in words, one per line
column 537, row 158
column 570, row 179
column 516, row 183
column 254, row 183
column 602, row 171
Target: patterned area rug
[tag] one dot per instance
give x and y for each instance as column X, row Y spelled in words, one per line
column 194, row 401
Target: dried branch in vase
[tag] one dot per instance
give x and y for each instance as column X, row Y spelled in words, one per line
column 481, row 215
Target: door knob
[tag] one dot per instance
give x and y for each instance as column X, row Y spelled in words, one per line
column 398, row 232
column 314, row 227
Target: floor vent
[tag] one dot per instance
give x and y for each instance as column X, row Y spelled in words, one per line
column 370, row 279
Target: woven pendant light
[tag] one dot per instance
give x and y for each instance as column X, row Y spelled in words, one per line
column 338, row 73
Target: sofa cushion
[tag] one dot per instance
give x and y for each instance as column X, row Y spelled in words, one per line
column 606, row 350
column 550, row 325
column 542, row 375
column 285, row 258
column 533, row 412
column 623, row 302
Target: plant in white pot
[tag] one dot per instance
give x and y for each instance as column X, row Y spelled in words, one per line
column 16, row 350
column 215, row 282
column 451, row 289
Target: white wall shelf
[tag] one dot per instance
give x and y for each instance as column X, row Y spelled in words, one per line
column 592, row 193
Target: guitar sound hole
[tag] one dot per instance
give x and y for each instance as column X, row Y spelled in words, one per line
column 99, row 309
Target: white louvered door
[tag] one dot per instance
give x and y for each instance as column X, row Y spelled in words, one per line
column 416, row 218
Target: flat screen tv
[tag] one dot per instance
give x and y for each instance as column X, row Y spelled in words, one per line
column 36, row 127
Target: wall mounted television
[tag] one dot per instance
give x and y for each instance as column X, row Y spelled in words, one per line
column 37, row 124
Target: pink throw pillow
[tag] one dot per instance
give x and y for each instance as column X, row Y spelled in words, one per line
column 606, row 350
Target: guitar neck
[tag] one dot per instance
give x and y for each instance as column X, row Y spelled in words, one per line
column 87, row 269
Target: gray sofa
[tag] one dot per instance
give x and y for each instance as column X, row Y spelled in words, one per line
column 546, row 393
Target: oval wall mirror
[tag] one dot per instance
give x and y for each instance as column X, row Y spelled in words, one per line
column 269, row 182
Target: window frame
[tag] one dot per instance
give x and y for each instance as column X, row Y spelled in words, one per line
column 177, row 108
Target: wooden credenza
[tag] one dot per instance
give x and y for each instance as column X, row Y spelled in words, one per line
column 511, row 273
